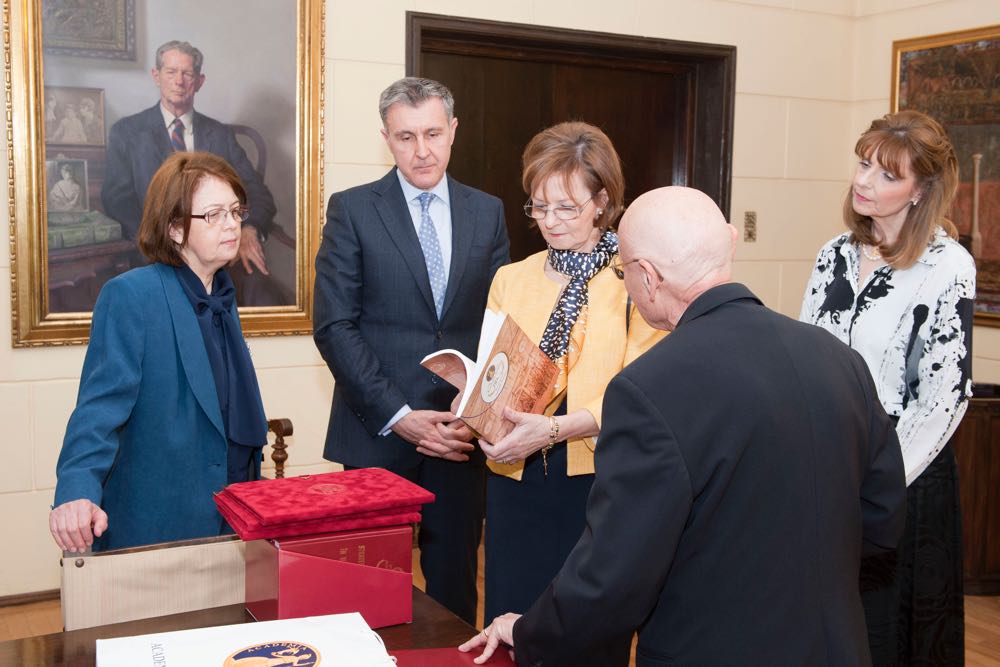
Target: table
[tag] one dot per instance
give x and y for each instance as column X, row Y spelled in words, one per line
column 433, row 626
column 76, row 275
column 977, row 454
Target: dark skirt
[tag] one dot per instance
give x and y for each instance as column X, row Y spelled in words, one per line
column 913, row 597
column 531, row 526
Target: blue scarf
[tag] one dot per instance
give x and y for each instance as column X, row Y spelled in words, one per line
column 232, row 369
column 579, row 267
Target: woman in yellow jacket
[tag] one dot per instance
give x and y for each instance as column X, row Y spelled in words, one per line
column 570, row 300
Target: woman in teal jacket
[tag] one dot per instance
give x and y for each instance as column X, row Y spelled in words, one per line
column 169, row 410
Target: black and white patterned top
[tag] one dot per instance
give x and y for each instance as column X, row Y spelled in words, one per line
column 914, row 329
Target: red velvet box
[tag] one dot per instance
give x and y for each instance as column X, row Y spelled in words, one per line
column 325, row 503
column 368, row 571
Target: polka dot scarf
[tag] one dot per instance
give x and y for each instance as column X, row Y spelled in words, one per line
column 580, row 267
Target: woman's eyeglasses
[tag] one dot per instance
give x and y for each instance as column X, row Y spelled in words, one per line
column 562, row 212
column 217, row 216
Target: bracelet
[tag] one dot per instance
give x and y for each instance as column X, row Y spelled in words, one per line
column 553, row 431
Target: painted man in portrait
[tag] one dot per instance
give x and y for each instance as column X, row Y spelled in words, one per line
column 137, row 145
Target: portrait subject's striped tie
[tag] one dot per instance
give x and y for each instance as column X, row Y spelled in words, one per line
column 432, row 251
column 177, row 135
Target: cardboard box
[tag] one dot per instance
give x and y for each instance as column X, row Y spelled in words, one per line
column 367, row 571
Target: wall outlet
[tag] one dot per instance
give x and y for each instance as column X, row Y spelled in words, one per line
column 750, row 226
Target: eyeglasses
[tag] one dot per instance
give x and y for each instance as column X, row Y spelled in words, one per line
column 217, row 216
column 562, row 212
column 619, row 267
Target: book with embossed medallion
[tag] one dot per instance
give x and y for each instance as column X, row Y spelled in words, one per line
column 510, row 371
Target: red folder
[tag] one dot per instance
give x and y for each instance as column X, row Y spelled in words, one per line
column 447, row 657
column 333, row 494
column 249, row 528
column 312, row 504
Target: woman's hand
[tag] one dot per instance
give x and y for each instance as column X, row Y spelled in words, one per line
column 531, row 433
column 75, row 524
column 500, row 631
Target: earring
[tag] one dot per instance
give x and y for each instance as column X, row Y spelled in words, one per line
column 599, row 212
column 914, row 202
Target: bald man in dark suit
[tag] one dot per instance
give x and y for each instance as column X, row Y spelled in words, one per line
column 744, row 465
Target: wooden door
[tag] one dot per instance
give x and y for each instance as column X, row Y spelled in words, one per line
column 668, row 112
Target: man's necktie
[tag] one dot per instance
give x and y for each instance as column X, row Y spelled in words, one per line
column 177, row 135
column 432, row 251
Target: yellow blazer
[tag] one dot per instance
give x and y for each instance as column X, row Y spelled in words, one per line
column 524, row 292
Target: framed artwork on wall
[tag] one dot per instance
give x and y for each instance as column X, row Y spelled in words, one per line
column 955, row 78
column 95, row 29
column 74, row 116
column 69, row 233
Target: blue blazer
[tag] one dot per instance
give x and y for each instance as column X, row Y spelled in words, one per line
column 374, row 316
column 146, row 441
column 138, row 145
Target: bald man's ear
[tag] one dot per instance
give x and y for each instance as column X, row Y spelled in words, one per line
column 650, row 279
column 734, row 234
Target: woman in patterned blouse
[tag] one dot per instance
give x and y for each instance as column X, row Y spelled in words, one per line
column 899, row 289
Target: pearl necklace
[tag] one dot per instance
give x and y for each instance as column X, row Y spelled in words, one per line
column 873, row 255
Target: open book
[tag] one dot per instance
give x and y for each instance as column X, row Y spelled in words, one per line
column 510, row 371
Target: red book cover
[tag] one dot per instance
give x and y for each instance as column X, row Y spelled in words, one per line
column 248, row 527
column 335, row 494
column 447, row 657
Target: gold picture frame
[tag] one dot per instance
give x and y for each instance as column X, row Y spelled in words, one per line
column 953, row 78
column 34, row 322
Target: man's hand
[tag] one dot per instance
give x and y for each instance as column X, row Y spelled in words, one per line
column 433, row 434
column 500, row 631
column 75, row 524
column 251, row 251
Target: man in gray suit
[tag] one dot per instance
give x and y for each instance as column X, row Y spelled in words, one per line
column 138, row 145
column 404, row 269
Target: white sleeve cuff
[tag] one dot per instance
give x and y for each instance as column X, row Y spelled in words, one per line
column 402, row 412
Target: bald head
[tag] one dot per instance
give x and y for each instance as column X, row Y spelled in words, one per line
column 685, row 241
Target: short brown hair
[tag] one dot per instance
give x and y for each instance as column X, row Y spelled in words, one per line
column 168, row 201
column 577, row 148
column 915, row 142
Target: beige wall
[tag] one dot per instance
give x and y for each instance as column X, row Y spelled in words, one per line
column 810, row 75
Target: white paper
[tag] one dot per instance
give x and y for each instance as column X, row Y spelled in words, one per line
column 339, row 639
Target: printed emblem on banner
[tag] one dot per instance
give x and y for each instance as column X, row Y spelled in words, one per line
column 276, row 654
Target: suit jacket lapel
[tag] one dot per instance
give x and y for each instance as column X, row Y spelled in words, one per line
column 395, row 215
column 158, row 133
column 463, row 220
column 203, row 136
column 191, row 348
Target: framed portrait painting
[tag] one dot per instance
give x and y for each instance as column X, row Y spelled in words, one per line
column 955, row 78
column 86, row 132
column 74, row 116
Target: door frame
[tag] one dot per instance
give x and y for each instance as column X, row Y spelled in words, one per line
column 711, row 67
